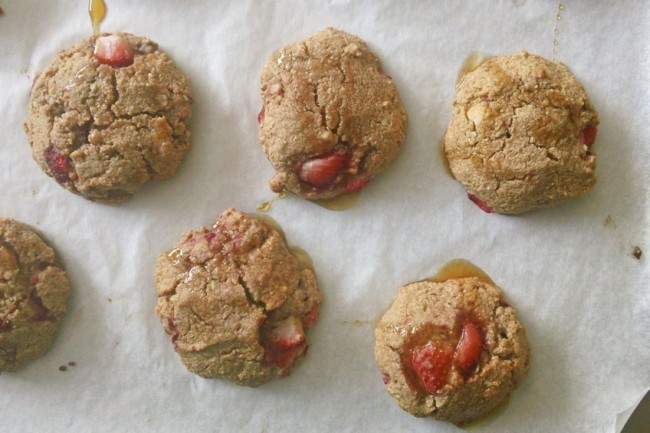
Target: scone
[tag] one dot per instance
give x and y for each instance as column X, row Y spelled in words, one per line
column 108, row 115
column 331, row 119
column 33, row 295
column 451, row 349
column 520, row 135
column 236, row 301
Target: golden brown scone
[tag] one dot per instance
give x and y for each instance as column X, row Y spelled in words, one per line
column 452, row 350
column 331, row 120
column 108, row 115
column 520, row 134
column 235, row 301
column 33, row 295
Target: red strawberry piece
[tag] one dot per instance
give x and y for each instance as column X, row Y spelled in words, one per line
column 386, row 379
column 286, row 342
column 310, row 318
column 5, row 325
column 588, row 135
column 170, row 328
column 432, row 365
column 469, row 346
column 322, row 171
column 59, row 165
column 113, row 50
column 40, row 313
column 356, row 183
column 260, row 116
column 480, row 203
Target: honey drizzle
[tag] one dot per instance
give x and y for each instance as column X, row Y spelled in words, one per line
column 556, row 29
column 97, row 12
column 471, row 62
column 459, row 268
column 266, row 206
column 341, row 202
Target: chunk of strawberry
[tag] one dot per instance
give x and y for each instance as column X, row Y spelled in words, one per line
column 310, row 318
column 322, row 171
column 480, row 203
column 432, row 365
column 286, row 342
column 588, row 135
column 356, row 183
column 469, row 346
column 5, row 325
column 113, row 50
column 59, row 165
column 260, row 116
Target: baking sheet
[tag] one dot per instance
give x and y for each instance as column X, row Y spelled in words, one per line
column 568, row 270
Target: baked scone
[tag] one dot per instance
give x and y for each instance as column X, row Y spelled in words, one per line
column 451, row 349
column 236, row 301
column 108, row 115
column 331, row 120
column 33, row 295
column 520, row 135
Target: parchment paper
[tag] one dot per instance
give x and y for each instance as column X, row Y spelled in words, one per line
column 568, row 270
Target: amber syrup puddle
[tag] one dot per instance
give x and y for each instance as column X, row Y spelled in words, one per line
column 341, row 202
column 266, row 206
column 471, row 62
column 97, row 12
column 459, row 268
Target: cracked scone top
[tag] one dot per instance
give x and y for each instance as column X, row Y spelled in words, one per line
column 331, row 119
column 520, row 134
column 452, row 349
column 108, row 115
column 33, row 295
column 235, row 301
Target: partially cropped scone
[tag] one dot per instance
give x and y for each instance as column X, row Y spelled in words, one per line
column 520, row 135
column 33, row 295
column 331, row 120
column 451, row 349
column 236, row 301
column 108, row 115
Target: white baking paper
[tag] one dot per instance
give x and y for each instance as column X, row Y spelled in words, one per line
column 568, row 270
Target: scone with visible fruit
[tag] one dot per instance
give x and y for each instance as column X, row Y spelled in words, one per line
column 451, row 349
column 33, row 295
column 520, row 135
column 236, row 301
column 108, row 115
column 331, row 120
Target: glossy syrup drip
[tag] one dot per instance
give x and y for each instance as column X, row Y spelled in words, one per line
column 97, row 12
column 471, row 62
column 341, row 202
column 303, row 257
column 460, row 268
column 266, row 206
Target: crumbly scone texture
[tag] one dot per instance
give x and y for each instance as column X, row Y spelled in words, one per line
column 223, row 290
column 516, row 137
column 33, row 295
column 438, row 309
column 328, row 95
column 102, row 131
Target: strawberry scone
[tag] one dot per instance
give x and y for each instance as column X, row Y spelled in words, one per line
column 235, row 301
column 331, row 119
column 33, row 295
column 451, row 349
column 108, row 115
column 521, row 135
